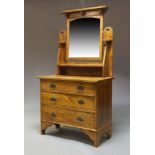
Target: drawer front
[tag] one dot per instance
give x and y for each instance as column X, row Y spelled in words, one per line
column 68, row 87
column 75, row 118
column 67, row 100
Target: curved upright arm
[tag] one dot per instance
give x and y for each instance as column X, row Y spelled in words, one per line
column 107, row 53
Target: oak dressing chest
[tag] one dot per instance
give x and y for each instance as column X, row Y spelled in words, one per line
column 80, row 94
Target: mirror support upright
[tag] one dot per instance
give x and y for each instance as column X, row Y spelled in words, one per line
column 108, row 51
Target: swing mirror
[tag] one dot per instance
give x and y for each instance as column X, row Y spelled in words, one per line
column 84, row 39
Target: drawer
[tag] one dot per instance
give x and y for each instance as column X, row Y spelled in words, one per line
column 68, row 100
column 68, row 117
column 68, row 87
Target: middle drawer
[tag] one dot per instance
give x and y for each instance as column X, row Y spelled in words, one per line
column 68, row 100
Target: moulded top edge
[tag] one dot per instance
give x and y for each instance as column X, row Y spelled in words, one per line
column 84, row 9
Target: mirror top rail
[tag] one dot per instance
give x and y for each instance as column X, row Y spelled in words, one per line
column 84, row 9
column 81, row 65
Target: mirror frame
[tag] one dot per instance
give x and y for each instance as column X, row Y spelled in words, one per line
column 100, row 43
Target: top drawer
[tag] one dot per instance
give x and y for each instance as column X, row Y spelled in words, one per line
column 87, row 89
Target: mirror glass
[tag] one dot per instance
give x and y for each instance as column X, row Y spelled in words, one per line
column 84, row 38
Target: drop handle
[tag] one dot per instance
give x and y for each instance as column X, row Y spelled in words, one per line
column 80, row 119
column 53, row 114
column 52, row 85
column 81, row 102
column 80, row 88
column 53, row 99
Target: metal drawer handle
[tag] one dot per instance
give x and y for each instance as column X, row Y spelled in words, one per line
column 80, row 87
column 80, row 119
column 53, row 114
column 53, row 99
column 52, row 85
column 81, row 102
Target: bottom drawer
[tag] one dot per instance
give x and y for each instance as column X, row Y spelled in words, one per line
column 70, row 117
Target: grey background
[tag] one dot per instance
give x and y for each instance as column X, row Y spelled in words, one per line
column 43, row 21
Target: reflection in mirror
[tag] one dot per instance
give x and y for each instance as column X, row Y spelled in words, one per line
column 84, row 38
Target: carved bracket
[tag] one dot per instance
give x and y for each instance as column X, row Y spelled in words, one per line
column 62, row 37
column 96, row 136
column 44, row 125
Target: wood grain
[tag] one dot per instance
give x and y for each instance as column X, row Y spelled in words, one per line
column 67, row 100
column 65, row 116
column 73, row 78
column 85, row 9
column 68, row 87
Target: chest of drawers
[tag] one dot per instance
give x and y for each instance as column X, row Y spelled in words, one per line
column 80, row 94
column 81, row 102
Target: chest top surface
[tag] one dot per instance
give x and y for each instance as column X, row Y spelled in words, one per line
column 74, row 78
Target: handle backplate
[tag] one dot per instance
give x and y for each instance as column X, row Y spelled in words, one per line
column 80, row 88
column 52, row 85
column 53, row 114
column 81, row 102
column 80, row 119
column 53, row 99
